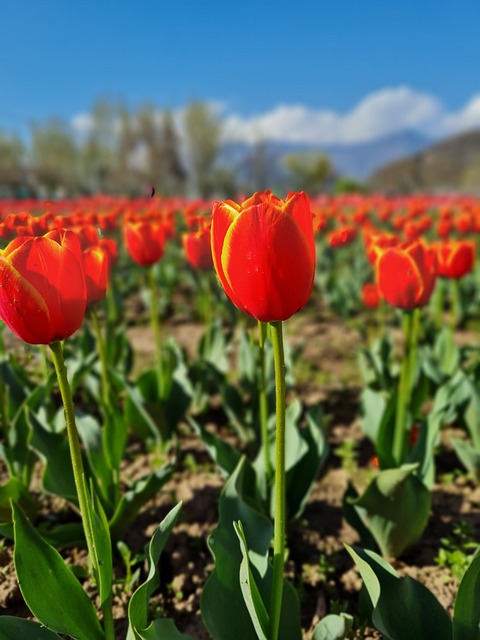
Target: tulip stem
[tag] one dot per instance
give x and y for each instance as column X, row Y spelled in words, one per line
column 73, row 441
column 157, row 334
column 78, row 472
column 276, row 336
column 455, row 303
column 103, row 361
column 410, row 328
column 263, row 401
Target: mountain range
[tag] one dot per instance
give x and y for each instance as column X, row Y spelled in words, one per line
column 359, row 160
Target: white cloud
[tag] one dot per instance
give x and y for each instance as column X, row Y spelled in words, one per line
column 82, row 123
column 381, row 113
column 378, row 114
column 466, row 118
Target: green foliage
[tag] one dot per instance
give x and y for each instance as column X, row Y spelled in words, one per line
column 224, row 592
column 457, row 550
column 60, row 604
column 140, row 626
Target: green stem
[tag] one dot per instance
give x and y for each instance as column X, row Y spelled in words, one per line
column 439, row 302
column 105, row 389
column 263, row 401
column 280, row 511
column 108, row 624
column 78, row 471
column 455, row 306
column 403, row 397
column 45, row 368
column 157, row 334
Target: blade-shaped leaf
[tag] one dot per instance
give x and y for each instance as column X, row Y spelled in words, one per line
column 138, row 606
column 60, row 604
column 12, row 628
column 466, row 615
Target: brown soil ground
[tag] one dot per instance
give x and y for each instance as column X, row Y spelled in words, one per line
column 318, row 564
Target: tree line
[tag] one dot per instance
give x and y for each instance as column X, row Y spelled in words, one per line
column 125, row 151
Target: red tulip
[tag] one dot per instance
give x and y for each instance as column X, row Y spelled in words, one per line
column 455, row 259
column 42, row 287
column 406, row 274
column 264, row 253
column 145, row 241
column 95, row 264
column 370, row 295
column 197, row 249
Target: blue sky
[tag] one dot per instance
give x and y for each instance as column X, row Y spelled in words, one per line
column 337, row 71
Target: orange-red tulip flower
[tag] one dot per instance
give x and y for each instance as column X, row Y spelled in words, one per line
column 455, row 259
column 42, row 287
column 95, row 265
column 406, row 274
column 198, row 250
column 145, row 241
column 370, row 295
column 264, row 253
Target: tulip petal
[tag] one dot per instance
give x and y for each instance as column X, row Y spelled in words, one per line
column 22, row 308
column 268, row 263
column 399, row 279
column 223, row 216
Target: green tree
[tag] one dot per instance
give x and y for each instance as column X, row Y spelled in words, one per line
column 310, row 171
column 203, row 131
column 12, row 164
column 55, row 157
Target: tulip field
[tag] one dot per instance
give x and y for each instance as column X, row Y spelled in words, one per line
column 240, row 420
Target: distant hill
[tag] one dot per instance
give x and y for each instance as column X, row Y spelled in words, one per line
column 355, row 160
column 452, row 164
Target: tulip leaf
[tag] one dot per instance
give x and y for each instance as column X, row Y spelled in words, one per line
column 468, row 456
column 400, row 603
column 14, row 491
column 333, row 627
column 138, row 608
column 224, row 455
column 394, row 508
column 102, row 552
column 54, row 450
column 91, row 436
column 466, row 614
column 251, row 595
column 222, row 593
column 12, row 628
column 302, row 476
column 141, row 491
column 60, row 604
column 163, row 629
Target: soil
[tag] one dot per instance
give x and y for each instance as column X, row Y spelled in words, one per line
column 318, row 564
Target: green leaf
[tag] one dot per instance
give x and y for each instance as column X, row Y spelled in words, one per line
column 12, row 628
column 302, row 476
column 222, row 593
column 223, row 454
column 251, row 595
column 394, row 508
column 138, row 606
column 14, row 491
column 53, row 449
column 141, row 491
column 102, row 552
column 468, row 456
column 333, row 627
column 49, row 588
column 400, row 604
column 91, row 436
column 163, row 629
column 466, row 615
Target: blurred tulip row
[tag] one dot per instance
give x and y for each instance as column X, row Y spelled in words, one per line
column 76, row 276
